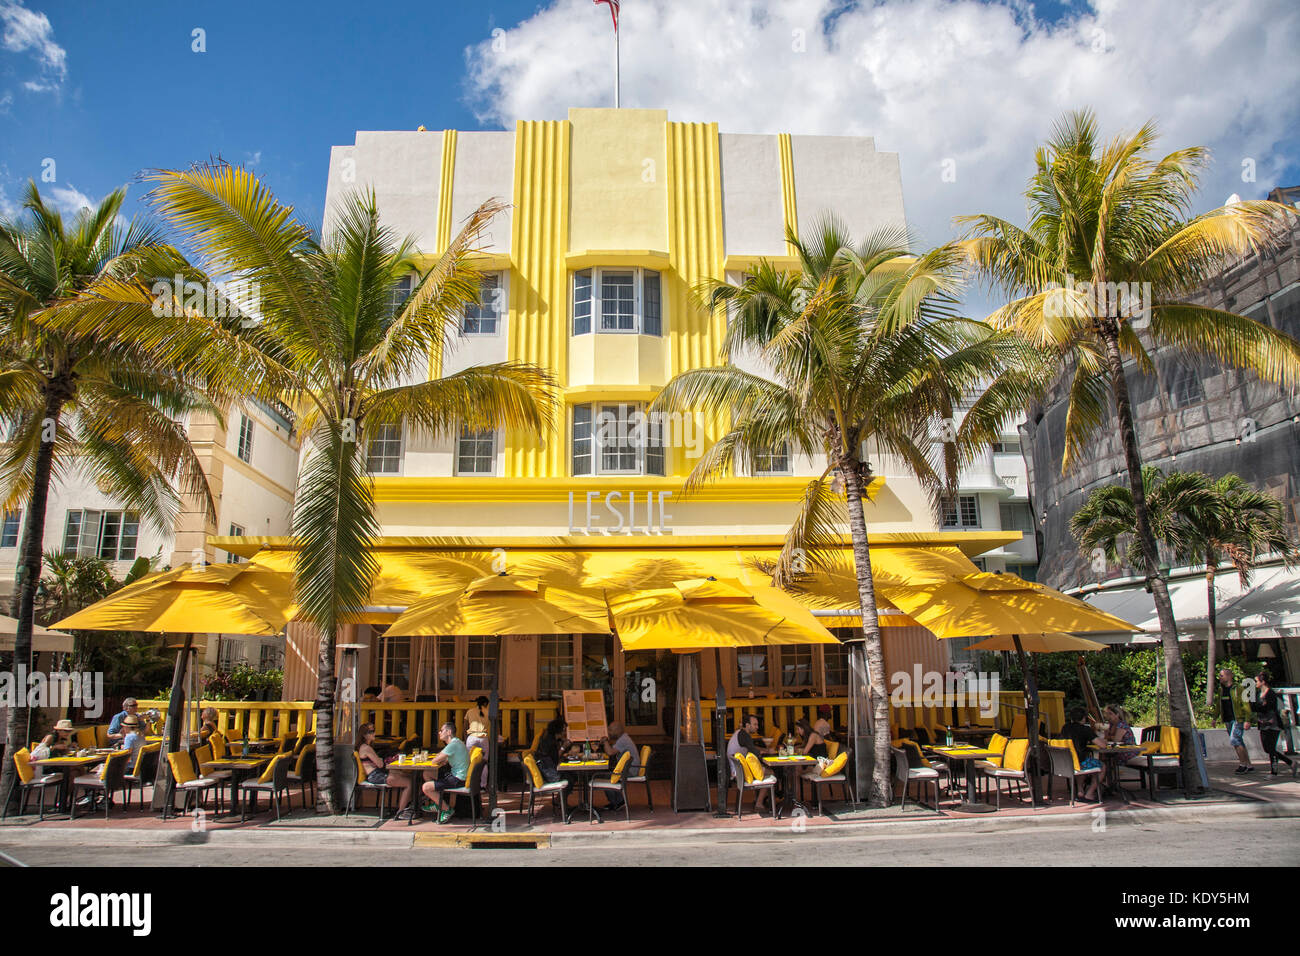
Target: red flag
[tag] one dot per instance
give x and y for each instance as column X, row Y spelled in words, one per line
column 613, row 10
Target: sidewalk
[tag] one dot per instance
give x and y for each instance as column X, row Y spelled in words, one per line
column 1258, row 794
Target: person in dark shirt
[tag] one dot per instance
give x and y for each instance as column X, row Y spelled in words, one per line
column 742, row 741
column 1269, row 720
column 549, row 749
column 1079, row 732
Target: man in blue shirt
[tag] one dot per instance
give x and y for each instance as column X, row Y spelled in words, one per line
column 453, row 767
column 129, row 708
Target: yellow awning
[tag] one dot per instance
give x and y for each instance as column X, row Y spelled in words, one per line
column 506, row 604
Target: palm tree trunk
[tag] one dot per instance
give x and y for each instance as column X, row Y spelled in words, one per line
column 1180, row 709
column 327, row 782
column 878, row 790
column 1211, row 617
column 27, row 579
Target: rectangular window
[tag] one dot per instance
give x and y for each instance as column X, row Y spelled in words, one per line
column 836, row 659
column 72, row 532
column 582, row 439
column 232, row 652
column 751, row 668
column 118, row 532
column 618, row 450
column 482, row 317
column 651, row 309
column 963, row 513
column 1185, row 387
column 1008, row 446
column 480, row 653
column 1027, row 571
column 775, row 461
column 582, row 302
column 447, row 663
column 270, row 658
column 384, row 449
column 476, row 452
column 618, row 300
column 9, row 530
column 555, row 666
column 396, row 657
column 245, row 438
column 1015, row 517
column 400, row 292
column 236, row 531
column 796, row 665
column 654, row 446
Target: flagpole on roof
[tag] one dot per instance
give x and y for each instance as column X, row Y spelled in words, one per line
column 613, row 13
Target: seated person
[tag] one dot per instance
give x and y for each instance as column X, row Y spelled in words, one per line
column 453, row 767
column 550, row 748
column 130, row 707
column 615, row 745
column 207, row 723
column 1081, row 733
column 60, row 740
column 132, row 740
column 1118, row 729
column 370, row 695
column 395, row 692
column 743, row 741
column 814, row 745
column 376, row 773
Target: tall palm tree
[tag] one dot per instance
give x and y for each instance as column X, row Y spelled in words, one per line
column 71, row 400
column 1201, row 520
column 1110, row 252
column 331, row 335
column 859, row 347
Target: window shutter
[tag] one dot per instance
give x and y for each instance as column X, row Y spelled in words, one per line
column 651, row 322
column 88, row 543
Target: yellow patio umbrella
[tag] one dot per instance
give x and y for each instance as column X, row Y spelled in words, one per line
column 505, row 604
column 706, row 613
column 211, row 599
column 984, row 603
column 1039, row 643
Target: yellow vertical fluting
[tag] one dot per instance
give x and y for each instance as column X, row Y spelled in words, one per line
column 787, row 188
column 446, row 185
column 539, row 296
column 695, row 250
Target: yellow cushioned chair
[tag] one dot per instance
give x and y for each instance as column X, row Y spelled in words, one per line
column 535, row 783
column 1012, row 769
column 833, row 773
column 144, row 772
column 753, row 776
column 1161, row 746
column 29, row 780
column 109, row 780
column 186, row 780
column 1065, row 764
column 274, row 782
column 832, row 749
column 470, row 788
column 617, row 783
column 643, row 776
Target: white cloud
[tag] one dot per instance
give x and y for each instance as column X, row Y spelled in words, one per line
column 70, row 200
column 254, row 158
column 30, row 31
column 933, row 80
column 6, row 101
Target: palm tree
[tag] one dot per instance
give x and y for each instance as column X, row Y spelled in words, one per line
column 1202, row 521
column 72, row 400
column 331, row 335
column 1109, row 251
column 859, row 346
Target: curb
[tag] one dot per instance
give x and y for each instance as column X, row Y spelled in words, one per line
column 316, row 838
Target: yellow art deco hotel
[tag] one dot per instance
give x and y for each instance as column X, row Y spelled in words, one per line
column 614, row 217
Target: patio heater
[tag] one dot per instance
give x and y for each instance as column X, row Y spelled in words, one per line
column 346, row 712
column 860, row 729
column 177, row 717
column 719, row 735
column 690, row 770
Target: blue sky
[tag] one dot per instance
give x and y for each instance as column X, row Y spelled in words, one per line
column 107, row 89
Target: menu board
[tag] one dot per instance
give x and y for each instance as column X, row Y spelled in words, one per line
column 584, row 712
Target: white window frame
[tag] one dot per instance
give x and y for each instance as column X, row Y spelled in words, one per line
column 597, row 409
column 598, row 274
column 236, row 531
column 16, row 517
column 401, row 449
column 959, row 523
column 787, row 453
column 244, row 446
column 496, row 447
column 503, row 290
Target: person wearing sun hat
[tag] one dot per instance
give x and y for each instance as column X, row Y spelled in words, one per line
column 132, row 739
column 60, row 740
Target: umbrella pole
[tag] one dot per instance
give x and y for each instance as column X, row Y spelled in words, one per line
column 719, row 737
column 494, row 729
column 164, row 786
column 1031, row 716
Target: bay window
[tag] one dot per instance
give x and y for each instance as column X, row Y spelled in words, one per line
column 617, row 300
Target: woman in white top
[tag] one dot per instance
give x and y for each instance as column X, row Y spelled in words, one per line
column 476, row 731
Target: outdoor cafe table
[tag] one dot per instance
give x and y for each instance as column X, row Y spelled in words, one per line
column 976, row 733
column 1111, row 756
column 966, row 755
column 417, row 770
column 70, row 767
column 791, row 766
column 584, row 770
column 240, row 769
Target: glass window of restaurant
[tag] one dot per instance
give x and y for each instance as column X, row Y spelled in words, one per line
column 555, row 666
column 643, row 693
column 598, row 667
column 836, row 659
column 796, row 667
column 751, row 669
column 479, row 655
column 396, row 657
